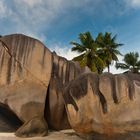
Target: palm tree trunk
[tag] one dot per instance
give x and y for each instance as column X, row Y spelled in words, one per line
column 108, row 67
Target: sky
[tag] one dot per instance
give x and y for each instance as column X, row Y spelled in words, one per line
column 58, row 22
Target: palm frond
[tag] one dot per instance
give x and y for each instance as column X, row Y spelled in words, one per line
column 78, row 58
column 87, row 40
column 122, row 66
column 114, row 57
column 117, row 52
column 138, row 64
column 114, row 38
column 78, row 47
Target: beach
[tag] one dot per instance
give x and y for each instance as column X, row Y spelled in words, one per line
column 61, row 135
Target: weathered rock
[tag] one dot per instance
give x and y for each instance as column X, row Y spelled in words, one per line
column 25, row 71
column 62, row 73
column 133, row 76
column 40, row 90
column 83, row 103
column 32, row 81
column 35, row 127
column 106, row 104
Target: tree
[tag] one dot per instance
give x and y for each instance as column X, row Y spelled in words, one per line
column 108, row 48
column 131, row 62
column 88, row 50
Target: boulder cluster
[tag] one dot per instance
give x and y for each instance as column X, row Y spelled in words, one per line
column 40, row 90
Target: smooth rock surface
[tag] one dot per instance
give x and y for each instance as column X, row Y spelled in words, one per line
column 32, row 82
column 107, row 104
column 63, row 71
column 25, row 72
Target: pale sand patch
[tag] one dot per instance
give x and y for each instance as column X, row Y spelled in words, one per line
column 61, row 135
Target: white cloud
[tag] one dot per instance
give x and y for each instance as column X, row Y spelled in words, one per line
column 32, row 16
column 4, row 11
column 64, row 51
column 31, row 3
column 29, row 16
column 113, row 68
column 37, row 11
column 133, row 3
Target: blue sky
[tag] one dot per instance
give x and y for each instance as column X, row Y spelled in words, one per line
column 57, row 22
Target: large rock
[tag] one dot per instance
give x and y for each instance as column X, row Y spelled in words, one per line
column 40, row 90
column 25, row 72
column 106, row 104
column 32, row 81
column 63, row 72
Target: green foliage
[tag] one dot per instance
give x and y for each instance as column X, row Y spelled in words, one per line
column 89, row 53
column 131, row 62
column 108, row 48
column 96, row 54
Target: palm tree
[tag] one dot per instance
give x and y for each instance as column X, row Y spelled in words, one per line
column 131, row 62
column 108, row 48
column 88, row 50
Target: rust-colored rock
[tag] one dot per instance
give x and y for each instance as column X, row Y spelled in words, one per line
column 106, row 104
column 32, row 80
column 25, row 72
column 63, row 71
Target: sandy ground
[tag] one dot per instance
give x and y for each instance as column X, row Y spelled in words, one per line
column 61, row 135
column 70, row 135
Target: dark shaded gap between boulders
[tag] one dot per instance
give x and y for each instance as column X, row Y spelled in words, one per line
column 9, row 122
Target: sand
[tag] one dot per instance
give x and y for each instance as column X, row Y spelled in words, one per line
column 61, row 135
column 70, row 135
